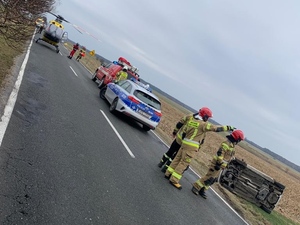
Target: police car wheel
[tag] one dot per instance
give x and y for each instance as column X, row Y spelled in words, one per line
column 113, row 105
column 102, row 93
column 146, row 128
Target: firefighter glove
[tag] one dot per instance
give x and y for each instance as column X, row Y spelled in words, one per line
column 217, row 166
column 174, row 132
column 230, row 128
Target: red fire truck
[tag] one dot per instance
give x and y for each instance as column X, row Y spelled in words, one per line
column 107, row 73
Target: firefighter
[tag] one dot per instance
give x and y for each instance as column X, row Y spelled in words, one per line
column 193, row 134
column 75, row 48
column 122, row 75
column 223, row 156
column 176, row 144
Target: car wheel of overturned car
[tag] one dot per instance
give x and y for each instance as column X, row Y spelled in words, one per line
column 102, row 93
column 113, row 105
column 146, row 128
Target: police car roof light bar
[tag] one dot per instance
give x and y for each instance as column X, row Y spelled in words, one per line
column 146, row 86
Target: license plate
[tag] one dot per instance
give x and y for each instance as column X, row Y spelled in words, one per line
column 144, row 114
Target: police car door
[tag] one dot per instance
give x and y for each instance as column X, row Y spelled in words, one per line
column 112, row 92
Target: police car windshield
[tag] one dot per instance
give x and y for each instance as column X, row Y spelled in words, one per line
column 149, row 100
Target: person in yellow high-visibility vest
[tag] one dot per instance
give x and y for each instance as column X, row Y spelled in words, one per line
column 224, row 154
column 122, row 75
column 193, row 134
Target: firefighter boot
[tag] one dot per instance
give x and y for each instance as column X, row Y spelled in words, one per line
column 202, row 193
column 195, row 190
column 162, row 162
column 168, row 177
column 177, row 185
column 164, row 169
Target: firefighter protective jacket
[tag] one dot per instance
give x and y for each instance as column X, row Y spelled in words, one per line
column 193, row 131
column 224, row 154
column 178, row 130
column 122, row 75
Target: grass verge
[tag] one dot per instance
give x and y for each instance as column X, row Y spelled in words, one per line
column 7, row 58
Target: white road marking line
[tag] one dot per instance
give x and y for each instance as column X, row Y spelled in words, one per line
column 119, row 136
column 13, row 96
column 210, row 187
column 74, row 71
column 224, row 201
column 60, row 53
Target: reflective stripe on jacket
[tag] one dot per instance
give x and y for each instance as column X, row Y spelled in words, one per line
column 226, row 152
column 121, row 76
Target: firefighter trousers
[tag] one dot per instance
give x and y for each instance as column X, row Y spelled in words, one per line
column 180, row 163
column 207, row 180
column 171, row 153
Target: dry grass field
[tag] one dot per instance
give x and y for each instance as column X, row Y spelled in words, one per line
column 289, row 205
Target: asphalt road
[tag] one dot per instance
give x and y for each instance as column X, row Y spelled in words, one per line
column 62, row 163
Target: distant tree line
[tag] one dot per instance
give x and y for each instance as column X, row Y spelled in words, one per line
column 17, row 18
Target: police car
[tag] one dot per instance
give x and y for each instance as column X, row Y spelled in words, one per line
column 135, row 100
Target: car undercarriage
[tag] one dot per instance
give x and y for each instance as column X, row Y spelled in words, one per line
column 251, row 184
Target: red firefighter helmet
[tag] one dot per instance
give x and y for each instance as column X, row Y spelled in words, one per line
column 238, row 135
column 205, row 112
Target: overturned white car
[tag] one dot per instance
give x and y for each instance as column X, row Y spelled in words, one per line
column 251, row 184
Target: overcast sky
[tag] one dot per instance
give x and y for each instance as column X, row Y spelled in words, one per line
column 240, row 58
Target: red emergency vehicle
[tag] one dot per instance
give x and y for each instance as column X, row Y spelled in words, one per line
column 106, row 74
